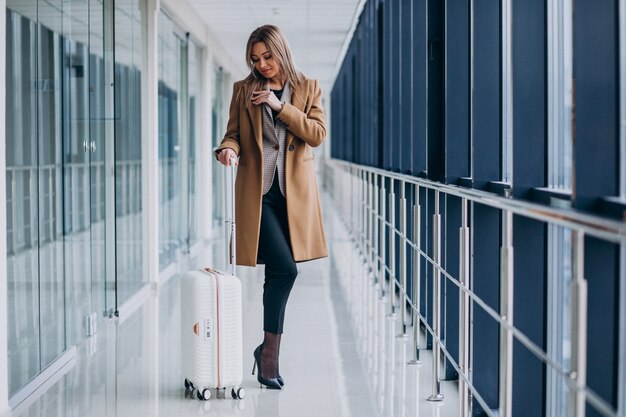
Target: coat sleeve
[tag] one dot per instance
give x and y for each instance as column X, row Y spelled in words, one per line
column 309, row 126
column 231, row 137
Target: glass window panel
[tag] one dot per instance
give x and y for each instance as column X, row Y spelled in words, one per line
column 76, row 168
column 560, row 94
column 507, row 93
column 170, row 164
column 217, row 131
column 97, row 128
column 52, row 290
column 559, row 316
column 194, row 129
column 22, row 197
column 128, row 166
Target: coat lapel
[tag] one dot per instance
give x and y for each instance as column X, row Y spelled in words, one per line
column 298, row 99
column 257, row 125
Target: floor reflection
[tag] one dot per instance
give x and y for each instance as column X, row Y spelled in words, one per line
column 340, row 355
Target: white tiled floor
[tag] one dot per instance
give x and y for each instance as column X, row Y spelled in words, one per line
column 339, row 356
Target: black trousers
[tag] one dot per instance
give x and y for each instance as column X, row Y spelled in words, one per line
column 275, row 251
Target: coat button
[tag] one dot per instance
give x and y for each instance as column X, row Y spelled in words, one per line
column 291, row 147
column 276, row 147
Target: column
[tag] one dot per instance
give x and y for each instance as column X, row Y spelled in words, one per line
column 150, row 142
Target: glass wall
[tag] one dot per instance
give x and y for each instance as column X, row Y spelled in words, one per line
column 128, row 189
column 217, row 132
column 68, row 125
column 180, row 66
column 195, row 132
column 22, row 199
column 55, row 179
column 171, row 46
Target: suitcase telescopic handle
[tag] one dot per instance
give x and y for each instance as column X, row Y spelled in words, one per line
column 231, row 221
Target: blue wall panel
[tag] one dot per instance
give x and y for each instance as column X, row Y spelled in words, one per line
column 529, row 104
column 529, row 315
column 486, row 122
column 451, row 264
column 406, row 111
column 596, row 80
column 485, row 283
column 601, row 272
column 457, row 143
column 419, row 49
column 395, row 83
column 435, row 90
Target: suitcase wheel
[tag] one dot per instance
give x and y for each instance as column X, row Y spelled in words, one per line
column 188, row 384
column 238, row 394
column 205, row 394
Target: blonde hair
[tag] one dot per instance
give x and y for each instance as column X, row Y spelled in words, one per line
column 278, row 46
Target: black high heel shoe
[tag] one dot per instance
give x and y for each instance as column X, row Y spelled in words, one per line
column 271, row 383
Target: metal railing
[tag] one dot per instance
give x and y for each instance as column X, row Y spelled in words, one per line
column 363, row 200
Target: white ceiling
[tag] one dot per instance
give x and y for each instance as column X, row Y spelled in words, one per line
column 316, row 29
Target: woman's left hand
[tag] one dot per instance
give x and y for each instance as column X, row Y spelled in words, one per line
column 267, row 96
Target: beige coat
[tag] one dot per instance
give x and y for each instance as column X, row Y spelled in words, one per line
column 304, row 119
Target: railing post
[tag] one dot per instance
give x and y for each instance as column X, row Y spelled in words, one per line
column 621, row 402
column 362, row 210
column 14, row 201
column 50, row 172
column 355, row 207
column 347, row 178
column 403, row 238
column 578, row 375
column 464, row 310
column 376, row 224
column 33, row 190
column 392, row 249
column 341, row 193
column 351, row 201
column 369, row 219
column 436, row 383
column 356, row 199
column 383, row 241
column 341, row 174
column 346, row 196
column 506, row 314
column 416, row 277
column 339, row 186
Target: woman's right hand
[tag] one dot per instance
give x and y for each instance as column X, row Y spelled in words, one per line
column 225, row 156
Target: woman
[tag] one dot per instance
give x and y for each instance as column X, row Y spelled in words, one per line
column 275, row 120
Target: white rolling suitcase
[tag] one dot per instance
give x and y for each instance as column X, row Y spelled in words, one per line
column 212, row 326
